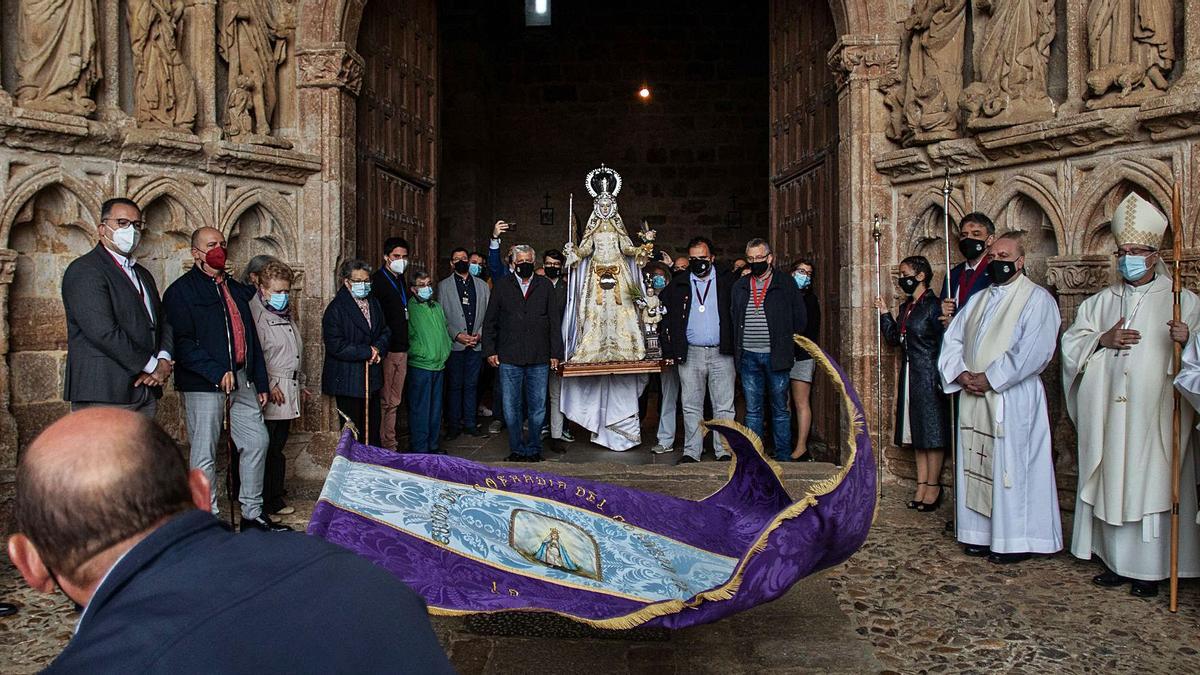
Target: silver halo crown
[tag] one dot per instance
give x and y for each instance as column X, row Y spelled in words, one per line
column 606, row 177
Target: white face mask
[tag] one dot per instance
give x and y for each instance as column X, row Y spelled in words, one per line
column 125, row 239
column 398, row 266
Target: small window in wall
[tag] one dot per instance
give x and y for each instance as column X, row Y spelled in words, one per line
column 537, row 12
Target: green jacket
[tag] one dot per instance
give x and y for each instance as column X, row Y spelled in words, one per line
column 428, row 340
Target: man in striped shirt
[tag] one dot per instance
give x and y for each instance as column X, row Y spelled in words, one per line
column 766, row 314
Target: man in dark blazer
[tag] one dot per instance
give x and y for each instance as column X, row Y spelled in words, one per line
column 119, row 344
column 698, row 335
column 976, row 233
column 108, row 514
column 219, row 365
column 522, row 337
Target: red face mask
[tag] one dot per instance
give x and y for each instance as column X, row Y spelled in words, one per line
column 215, row 257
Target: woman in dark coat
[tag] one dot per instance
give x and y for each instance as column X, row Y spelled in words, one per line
column 354, row 347
column 922, row 410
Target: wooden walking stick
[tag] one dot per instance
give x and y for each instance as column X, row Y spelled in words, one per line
column 877, row 234
column 233, row 457
column 367, row 401
column 1177, row 412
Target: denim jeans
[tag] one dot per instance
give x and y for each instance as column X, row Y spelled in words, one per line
column 462, row 385
column 424, row 409
column 758, row 377
column 524, row 394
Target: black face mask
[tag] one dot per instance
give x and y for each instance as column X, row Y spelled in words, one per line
column 971, row 248
column 462, row 266
column 699, row 266
column 908, row 284
column 1002, row 270
column 552, row 272
column 759, row 268
column 525, row 270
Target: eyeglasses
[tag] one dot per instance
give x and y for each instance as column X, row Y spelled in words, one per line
column 123, row 223
column 763, row 258
column 1136, row 251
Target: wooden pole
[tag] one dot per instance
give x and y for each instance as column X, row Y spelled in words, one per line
column 1177, row 412
column 367, row 402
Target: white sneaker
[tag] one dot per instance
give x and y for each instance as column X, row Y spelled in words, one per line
column 659, row 450
column 567, row 436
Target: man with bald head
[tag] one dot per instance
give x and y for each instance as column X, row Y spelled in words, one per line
column 219, row 365
column 108, row 513
column 994, row 352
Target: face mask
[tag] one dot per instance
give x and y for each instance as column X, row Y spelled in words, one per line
column 759, row 268
column 699, row 266
column 215, row 257
column 802, row 280
column 278, row 301
column 1132, row 267
column 525, row 270
column 360, row 289
column 552, row 272
column 908, row 284
column 476, row 269
column 462, row 267
column 125, row 239
column 1002, row 270
column 971, row 248
column 425, row 293
column 658, row 282
column 398, row 266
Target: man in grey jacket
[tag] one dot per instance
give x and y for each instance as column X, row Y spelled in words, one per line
column 118, row 342
column 464, row 297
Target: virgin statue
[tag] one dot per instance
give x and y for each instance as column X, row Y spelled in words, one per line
column 605, row 282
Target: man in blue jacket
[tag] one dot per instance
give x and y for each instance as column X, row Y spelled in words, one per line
column 219, row 365
column 108, row 513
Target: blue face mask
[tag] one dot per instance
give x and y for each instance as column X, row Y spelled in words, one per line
column 475, row 269
column 360, row 289
column 659, row 282
column 1132, row 267
column 278, row 301
column 425, row 292
column 802, row 280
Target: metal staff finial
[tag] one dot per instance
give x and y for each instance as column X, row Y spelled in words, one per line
column 876, row 231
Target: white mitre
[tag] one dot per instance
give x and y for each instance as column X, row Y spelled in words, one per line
column 1137, row 221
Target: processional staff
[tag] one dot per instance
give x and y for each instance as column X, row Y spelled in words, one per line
column 1177, row 411
column 877, row 234
column 952, row 294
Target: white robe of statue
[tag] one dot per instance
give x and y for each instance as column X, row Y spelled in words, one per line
column 1121, row 404
column 1188, row 383
column 1025, row 516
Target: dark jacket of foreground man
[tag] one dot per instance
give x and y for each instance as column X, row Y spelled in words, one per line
column 195, row 598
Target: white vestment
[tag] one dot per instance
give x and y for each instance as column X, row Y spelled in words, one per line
column 1024, row 511
column 1188, row 383
column 1121, row 402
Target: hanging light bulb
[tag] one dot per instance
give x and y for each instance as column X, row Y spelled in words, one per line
column 644, row 93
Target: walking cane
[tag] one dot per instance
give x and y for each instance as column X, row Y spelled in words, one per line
column 877, row 234
column 953, row 296
column 1177, row 412
column 233, row 457
column 367, row 402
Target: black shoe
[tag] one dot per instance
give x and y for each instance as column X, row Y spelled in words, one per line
column 534, row 458
column 7, row 609
column 686, row 460
column 1008, row 558
column 453, row 434
column 514, row 457
column 926, row 507
column 724, row 458
column 1109, row 579
column 806, row 457
column 263, row 523
column 976, row 551
column 477, row 433
column 913, row 504
column 557, row 446
column 1144, row 589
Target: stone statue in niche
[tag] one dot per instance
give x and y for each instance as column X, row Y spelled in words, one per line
column 1010, row 65
column 253, row 42
column 58, row 56
column 1131, row 50
column 936, row 30
column 164, row 93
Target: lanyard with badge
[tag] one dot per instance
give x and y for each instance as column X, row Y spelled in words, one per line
column 403, row 296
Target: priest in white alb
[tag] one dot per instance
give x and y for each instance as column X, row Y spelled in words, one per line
column 1117, row 376
column 993, row 352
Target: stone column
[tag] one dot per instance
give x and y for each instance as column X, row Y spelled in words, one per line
column 860, row 62
column 1077, row 56
column 200, row 52
column 8, row 424
column 108, row 102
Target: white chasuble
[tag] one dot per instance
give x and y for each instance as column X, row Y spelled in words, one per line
column 1121, row 402
column 1023, row 515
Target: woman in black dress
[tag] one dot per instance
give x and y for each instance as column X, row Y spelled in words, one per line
column 922, row 410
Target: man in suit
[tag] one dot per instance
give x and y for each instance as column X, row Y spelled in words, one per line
column 464, row 298
column 118, row 344
column 389, row 287
column 976, row 234
column 108, row 514
column 220, row 366
column 522, row 337
column 552, row 269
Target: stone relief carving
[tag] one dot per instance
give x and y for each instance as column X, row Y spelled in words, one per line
column 331, row 67
column 58, row 57
column 1131, row 50
column 164, row 93
column 1075, row 274
column 1010, row 65
column 934, row 46
column 253, row 40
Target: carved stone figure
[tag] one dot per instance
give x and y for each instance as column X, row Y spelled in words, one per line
column 1010, row 65
column 58, row 60
column 936, row 31
column 164, row 93
column 1131, row 49
column 253, row 42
